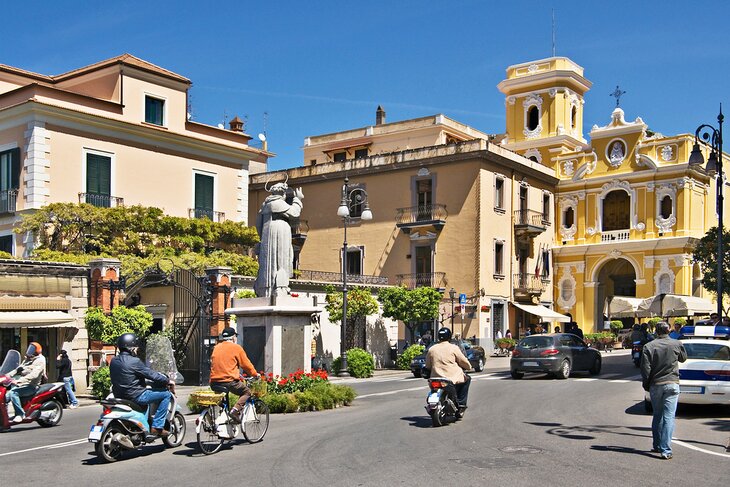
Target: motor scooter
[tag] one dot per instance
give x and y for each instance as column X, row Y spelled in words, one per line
column 126, row 425
column 45, row 406
column 441, row 403
column 636, row 348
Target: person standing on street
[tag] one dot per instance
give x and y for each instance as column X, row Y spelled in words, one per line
column 660, row 377
column 65, row 375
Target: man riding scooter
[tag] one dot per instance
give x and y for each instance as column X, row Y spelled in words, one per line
column 446, row 360
column 26, row 378
column 128, row 374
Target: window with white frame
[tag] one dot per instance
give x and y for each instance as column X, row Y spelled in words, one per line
column 154, row 110
column 499, row 193
column 354, row 260
column 6, row 244
column 499, row 257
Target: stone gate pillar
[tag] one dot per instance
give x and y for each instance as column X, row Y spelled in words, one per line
column 104, row 283
column 219, row 279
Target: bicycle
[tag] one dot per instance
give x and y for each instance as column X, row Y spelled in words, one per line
column 214, row 425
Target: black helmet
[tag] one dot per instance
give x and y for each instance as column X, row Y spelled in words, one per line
column 444, row 334
column 128, row 343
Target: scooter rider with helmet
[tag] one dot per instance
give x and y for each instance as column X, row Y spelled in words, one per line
column 446, row 360
column 26, row 378
column 128, row 374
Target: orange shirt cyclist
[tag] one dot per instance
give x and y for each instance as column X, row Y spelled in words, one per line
column 225, row 364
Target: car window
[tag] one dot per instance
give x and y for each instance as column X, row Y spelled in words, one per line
column 707, row 351
column 536, row 342
column 577, row 342
column 565, row 340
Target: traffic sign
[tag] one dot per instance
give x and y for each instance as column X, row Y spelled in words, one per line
column 462, row 299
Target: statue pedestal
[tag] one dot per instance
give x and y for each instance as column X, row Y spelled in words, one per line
column 276, row 333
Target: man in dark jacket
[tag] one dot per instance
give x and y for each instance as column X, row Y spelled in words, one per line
column 128, row 375
column 65, row 375
column 660, row 377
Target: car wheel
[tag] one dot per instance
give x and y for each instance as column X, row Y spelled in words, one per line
column 596, row 368
column 480, row 365
column 517, row 375
column 564, row 371
column 416, row 374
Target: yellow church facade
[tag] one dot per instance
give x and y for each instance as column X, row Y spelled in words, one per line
column 629, row 208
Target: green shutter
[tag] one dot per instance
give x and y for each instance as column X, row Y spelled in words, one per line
column 15, row 168
column 203, row 192
column 98, row 174
column 10, row 169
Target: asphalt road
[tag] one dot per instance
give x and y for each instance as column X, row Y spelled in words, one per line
column 533, row 431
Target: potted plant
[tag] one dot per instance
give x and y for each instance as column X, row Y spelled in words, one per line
column 505, row 343
column 241, row 294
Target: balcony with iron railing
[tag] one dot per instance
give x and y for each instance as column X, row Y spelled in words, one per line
column 530, row 223
column 435, row 280
column 336, row 277
column 8, row 200
column 421, row 216
column 526, row 286
column 216, row 216
column 615, row 235
column 101, row 200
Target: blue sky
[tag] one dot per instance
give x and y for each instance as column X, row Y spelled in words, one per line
column 323, row 66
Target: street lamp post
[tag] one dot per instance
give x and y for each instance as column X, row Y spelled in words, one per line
column 713, row 137
column 452, row 295
column 350, row 199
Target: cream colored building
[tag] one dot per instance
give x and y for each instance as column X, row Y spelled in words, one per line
column 116, row 132
column 629, row 207
column 451, row 210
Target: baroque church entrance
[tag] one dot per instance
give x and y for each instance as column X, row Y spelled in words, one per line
column 616, row 278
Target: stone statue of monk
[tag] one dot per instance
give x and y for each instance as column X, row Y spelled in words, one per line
column 276, row 255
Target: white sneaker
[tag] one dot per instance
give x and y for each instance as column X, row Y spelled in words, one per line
column 73, row 406
column 18, row 419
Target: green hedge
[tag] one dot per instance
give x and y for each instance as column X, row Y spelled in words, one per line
column 101, row 382
column 404, row 360
column 360, row 363
column 317, row 398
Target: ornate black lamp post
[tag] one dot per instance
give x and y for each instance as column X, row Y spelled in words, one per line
column 351, row 198
column 713, row 137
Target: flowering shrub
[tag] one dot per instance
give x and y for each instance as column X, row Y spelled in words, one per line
column 298, row 381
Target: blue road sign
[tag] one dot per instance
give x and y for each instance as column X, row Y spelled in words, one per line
column 462, row 298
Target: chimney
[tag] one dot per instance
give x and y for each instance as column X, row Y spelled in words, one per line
column 380, row 116
column 236, row 124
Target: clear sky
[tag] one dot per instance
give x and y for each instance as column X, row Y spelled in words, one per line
column 323, row 66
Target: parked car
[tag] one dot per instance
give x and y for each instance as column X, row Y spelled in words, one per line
column 558, row 354
column 474, row 353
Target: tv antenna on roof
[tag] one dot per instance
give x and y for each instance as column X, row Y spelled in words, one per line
column 553, row 12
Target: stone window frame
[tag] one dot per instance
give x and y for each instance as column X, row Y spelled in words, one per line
column 532, row 100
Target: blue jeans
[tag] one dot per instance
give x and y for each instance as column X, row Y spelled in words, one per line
column 68, row 383
column 664, row 401
column 14, row 395
column 162, row 399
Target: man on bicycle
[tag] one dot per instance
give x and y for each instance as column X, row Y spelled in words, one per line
column 225, row 362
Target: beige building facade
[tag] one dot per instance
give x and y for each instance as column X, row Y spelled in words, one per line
column 115, row 133
column 451, row 209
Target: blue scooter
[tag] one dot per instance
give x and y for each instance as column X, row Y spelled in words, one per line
column 125, row 425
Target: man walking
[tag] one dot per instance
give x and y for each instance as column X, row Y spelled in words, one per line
column 660, row 376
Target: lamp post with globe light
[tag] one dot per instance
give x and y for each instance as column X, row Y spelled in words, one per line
column 352, row 200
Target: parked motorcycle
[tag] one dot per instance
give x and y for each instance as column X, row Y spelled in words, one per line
column 125, row 425
column 441, row 403
column 636, row 349
column 45, row 406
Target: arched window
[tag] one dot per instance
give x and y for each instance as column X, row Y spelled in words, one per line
column 533, row 158
column 568, row 217
column 573, row 116
column 533, row 117
column 616, row 211
column 666, row 207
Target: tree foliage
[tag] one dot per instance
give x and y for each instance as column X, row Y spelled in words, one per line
column 411, row 306
column 140, row 237
column 705, row 254
column 360, row 302
column 108, row 328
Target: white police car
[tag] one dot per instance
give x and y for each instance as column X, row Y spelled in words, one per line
column 704, row 378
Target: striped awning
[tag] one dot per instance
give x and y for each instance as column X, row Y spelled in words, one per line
column 36, row 319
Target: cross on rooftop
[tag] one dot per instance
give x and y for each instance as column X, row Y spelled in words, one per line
column 617, row 93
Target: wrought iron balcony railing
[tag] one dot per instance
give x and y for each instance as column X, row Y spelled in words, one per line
column 8, row 200
column 434, row 279
column 336, row 277
column 101, row 200
column 528, row 284
column 419, row 215
column 529, row 223
column 615, row 235
column 216, row 216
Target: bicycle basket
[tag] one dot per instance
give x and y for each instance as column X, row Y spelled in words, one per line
column 258, row 388
column 207, row 398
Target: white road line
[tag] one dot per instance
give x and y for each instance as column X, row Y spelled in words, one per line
column 55, row 445
column 391, row 392
column 585, row 379
column 697, row 448
column 620, row 381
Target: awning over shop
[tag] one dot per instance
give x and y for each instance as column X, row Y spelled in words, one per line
column 36, row 319
column 666, row 305
column 622, row 306
column 542, row 312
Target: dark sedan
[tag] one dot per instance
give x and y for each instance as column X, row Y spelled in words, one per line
column 557, row 354
column 474, row 353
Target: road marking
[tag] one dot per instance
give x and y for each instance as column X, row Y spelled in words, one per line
column 620, row 381
column 55, row 445
column 387, row 393
column 697, row 448
column 585, row 379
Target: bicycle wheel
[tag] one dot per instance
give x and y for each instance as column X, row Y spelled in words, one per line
column 208, row 439
column 256, row 422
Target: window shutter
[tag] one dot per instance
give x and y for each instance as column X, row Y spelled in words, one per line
column 98, row 174
column 203, row 192
column 15, row 165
